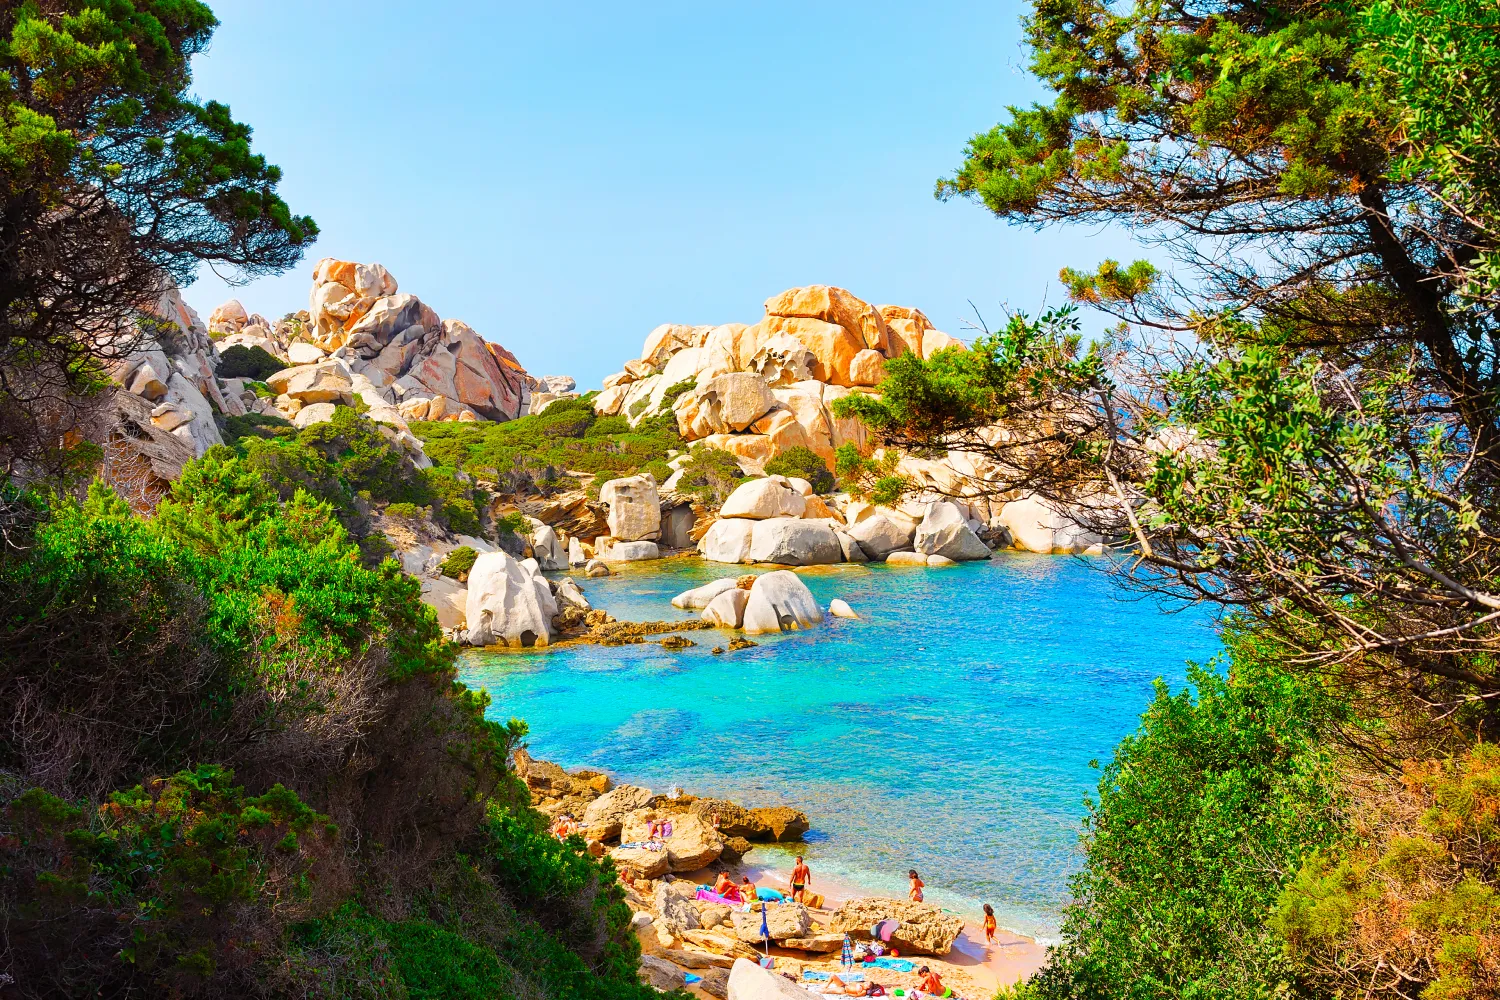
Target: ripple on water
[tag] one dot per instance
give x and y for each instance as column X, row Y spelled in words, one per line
column 949, row 731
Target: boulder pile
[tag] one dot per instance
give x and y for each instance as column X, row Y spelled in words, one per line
column 757, row 390
column 394, row 349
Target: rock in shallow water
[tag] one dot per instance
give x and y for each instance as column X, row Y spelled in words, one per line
column 839, row 608
column 508, row 603
column 945, row 532
column 727, row 610
column 780, row 602
column 791, row 541
column 699, row 598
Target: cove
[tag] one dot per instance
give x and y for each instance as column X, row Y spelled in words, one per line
column 950, row 730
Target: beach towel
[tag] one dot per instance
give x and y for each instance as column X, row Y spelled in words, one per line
column 770, row 895
column 883, row 930
column 894, row 964
column 822, row 977
column 693, row 979
column 713, row 897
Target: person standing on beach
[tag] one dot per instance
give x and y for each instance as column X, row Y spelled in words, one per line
column 916, row 885
column 801, row 879
column 989, row 924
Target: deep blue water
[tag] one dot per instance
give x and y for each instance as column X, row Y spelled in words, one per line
column 949, row 731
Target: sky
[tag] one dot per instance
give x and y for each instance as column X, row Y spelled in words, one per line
column 564, row 178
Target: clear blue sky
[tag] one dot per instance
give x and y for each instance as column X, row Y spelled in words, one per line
column 566, row 177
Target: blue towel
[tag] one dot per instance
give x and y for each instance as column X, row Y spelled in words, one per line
column 769, row 895
column 815, row 976
column 894, row 964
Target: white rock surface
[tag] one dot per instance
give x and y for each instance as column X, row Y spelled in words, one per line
column 791, row 541
column 727, row 610
column 839, row 608
column 779, row 602
column 621, row 552
column 748, row 981
column 699, row 597
column 634, row 508
column 882, row 532
column 906, row 558
column 547, row 547
column 727, row 541
column 313, row 413
column 576, row 557
column 1035, row 526
column 303, row 353
column 944, row 531
column 772, row 496
column 508, row 603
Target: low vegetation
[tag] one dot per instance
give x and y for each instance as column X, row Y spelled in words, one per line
column 255, row 363
column 252, row 772
column 535, row 453
column 804, row 463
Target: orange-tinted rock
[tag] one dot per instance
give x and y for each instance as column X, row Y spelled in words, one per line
column 833, row 305
column 833, row 347
column 867, row 368
column 935, row 340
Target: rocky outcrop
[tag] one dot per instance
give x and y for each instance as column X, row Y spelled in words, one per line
column 694, row 844
column 780, row 602
column 748, row 981
column 782, row 920
column 1037, row 526
column 170, row 372
column 637, row 863
column 727, row 541
column 509, row 602
column 634, row 508
column 609, row 810
column 924, row 929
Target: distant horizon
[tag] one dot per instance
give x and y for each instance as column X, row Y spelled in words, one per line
column 566, row 185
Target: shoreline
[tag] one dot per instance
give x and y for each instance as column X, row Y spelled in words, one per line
column 1012, row 958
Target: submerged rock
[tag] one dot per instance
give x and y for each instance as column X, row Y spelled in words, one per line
column 839, row 608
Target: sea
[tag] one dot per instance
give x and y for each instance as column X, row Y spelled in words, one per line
column 955, row 728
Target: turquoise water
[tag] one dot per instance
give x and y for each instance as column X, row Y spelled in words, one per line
column 949, row 731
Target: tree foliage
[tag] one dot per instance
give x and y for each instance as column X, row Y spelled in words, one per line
column 114, row 181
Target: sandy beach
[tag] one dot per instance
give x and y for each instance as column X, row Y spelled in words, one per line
column 974, row 969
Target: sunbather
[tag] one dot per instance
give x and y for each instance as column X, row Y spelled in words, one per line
column 839, row 987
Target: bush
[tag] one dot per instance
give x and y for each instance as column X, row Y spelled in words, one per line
column 710, row 475
column 1202, row 816
column 528, row 455
column 874, row 479
column 259, row 425
column 407, row 511
column 804, row 463
column 255, row 363
column 459, row 562
column 237, row 636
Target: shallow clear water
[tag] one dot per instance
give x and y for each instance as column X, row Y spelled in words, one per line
column 949, row 731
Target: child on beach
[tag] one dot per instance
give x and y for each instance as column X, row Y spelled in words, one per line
column 989, row 924
column 916, row 885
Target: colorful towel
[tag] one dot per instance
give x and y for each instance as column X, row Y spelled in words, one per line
column 714, row 897
column 894, row 964
column 815, row 976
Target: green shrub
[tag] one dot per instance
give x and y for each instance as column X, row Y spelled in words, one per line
column 259, row 425
column 459, row 562
column 710, row 475
column 513, row 523
column 1204, row 813
column 660, row 471
column 407, row 511
column 874, row 479
column 255, row 363
column 802, row 462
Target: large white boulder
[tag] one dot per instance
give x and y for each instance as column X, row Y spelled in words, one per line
column 1036, row 526
column 792, row 541
column 698, row 598
column 509, row 603
column 727, row 610
column 748, row 981
column 611, row 808
column 727, row 540
column 882, row 532
column 634, row 508
column 780, row 602
column 772, row 496
column 944, row 531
